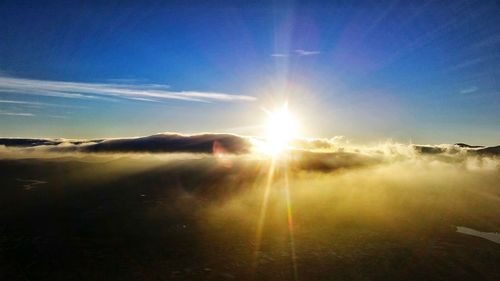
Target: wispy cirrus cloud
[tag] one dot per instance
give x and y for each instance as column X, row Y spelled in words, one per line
column 8, row 113
column 17, row 102
column 469, row 90
column 279, row 55
column 31, row 104
column 85, row 90
column 301, row 52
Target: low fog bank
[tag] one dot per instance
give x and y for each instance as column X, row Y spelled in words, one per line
column 209, row 143
column 324, row 155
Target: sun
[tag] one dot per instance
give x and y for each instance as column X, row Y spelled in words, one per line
column 281, row 129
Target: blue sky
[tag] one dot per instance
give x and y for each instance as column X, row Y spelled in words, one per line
column 423, row 72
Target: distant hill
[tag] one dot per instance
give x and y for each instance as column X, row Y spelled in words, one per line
column 159, row 143
column 493, row 150
column 471, row 149
column 468, row 146
column 200, row 143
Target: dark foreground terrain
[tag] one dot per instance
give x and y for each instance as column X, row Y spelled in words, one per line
column 195, row 218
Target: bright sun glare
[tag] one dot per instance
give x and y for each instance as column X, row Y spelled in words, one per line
column 281, row 129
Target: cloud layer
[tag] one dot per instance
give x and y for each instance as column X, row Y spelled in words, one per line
column 323, row 155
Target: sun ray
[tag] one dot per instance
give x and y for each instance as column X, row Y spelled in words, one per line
column 291, row 233
column 263, row 209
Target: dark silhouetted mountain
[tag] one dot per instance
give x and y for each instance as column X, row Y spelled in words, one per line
column 468, row 146
column 168, row 142
column 493, row 150
column 427, row 149
column 27, row 142
column 203, row 143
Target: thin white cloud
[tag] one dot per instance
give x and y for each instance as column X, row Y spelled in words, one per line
column 279, row 55
column 469, row 90
column 18, row 102
column 35, row 104
column 27, row 114
column 207, row 96
column 468, row 63
column 301, row 52
column 81, row 90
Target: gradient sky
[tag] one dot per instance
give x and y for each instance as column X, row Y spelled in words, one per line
column 425, row 72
